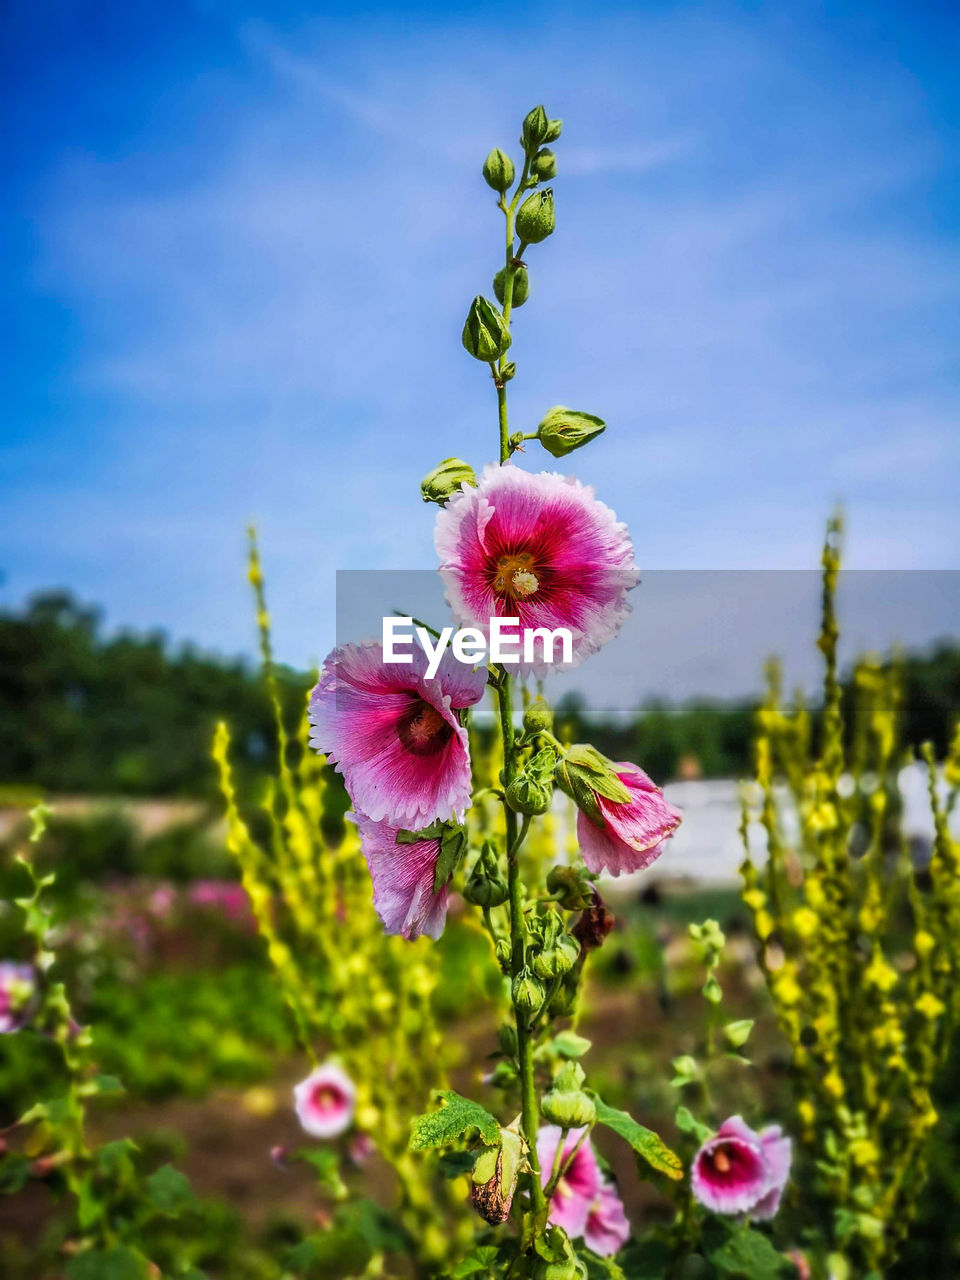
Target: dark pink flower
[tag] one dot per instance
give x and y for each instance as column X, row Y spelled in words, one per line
column 325, row 1101
column 395, row 735
column 18, row 991
column 607, row 1229
column 540, row 548
column 403, row 877
column 578, row 1189
column 741, row 1171
column 632, row 834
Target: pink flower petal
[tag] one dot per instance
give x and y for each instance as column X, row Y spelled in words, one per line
column 580, row 1186
column 403, row 877
column 633, row 834
column 325, row 1101
column 741, row 1171
column 607, row 1229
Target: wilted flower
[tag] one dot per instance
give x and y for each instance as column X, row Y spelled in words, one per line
column 607, row 1229
column 540, row 548
column 578, row 1189
column 632, row 834
column 395, row 735
column 18, row 989
column 325, row 1101
column 403, row 876
column 741, row 1171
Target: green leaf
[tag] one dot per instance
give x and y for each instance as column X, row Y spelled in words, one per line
column 433, row 832
column 479, row 1261
column 738, row 1033
column 453, row 849
column 325, row 1163
column 644, row 1142
column 569, row 1045
column 601, row 1268
column 456, row 1117
column 170, row 1191
column 748, row 1255
column 648, row 1259
column 686, row 1122
column 14, row 1174
column 109, row 1264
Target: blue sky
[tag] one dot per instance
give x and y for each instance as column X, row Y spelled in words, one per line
column 238, row 243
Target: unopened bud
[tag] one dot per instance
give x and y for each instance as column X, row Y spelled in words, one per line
column 544, row 165
column 537, row 718
column 563, row 430
column 501, row 950
column 536, row 126
column 485, row 890
column 498, row 170
column 508, row 371
column 536, row 217
column 521, row 285
column 447, row 479
column 569, row 887
column 565, row 1103
column 554, row 130
column 507, row 1038
column 528, row 795
column 527, row 991
column 485, row 333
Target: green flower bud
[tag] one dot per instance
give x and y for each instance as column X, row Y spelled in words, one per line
column 563, row 430
column 571, row 1109
column 555, row 961
column 447, row 479
column 544, row 165
column 485, row 333
column 485, row 890
column 508, row 371
column 536, row 126
column 573, row 892
column 521, row 285
column 498, row 170
column 536, row 218
column 528, row 795
column 538, row 718
column 502, row 951
column 527, row 991
column 554, row 130
column 507, row 1038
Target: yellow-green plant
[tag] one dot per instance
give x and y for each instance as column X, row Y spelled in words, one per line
column 860, row 950
column 354, row 991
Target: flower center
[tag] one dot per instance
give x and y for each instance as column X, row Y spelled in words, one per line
column 721, row 1162
column 425, row 725
column 422, row 729
column 325, row 1096
column 515, row 576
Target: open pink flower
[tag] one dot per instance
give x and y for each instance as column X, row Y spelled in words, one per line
column 741, row 1171
column 632, row 835
column 579, row 1188
column 540, row 548
column 18, row 990
column 402, row 877
column 395, row 735
column 607, row 1229
column 325, row 1101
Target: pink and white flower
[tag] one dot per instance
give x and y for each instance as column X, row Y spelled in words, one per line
column 325, row 1101
column 741, row 1171
column 403, row 876
column 395, row 735
column 18, row 990
column 579, row 1188
column 633, row 834
column 540, row 548
column 607, row 1229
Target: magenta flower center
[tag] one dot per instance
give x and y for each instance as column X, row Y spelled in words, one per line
column 327, row 1098
column 423, row 730
column 729, row 1161
column 515, row 576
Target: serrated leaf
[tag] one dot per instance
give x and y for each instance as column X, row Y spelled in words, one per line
column 170, row 1191
column 647, row 1144
column 454, row 1119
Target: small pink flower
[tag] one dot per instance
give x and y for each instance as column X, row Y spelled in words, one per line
column 361, row 1148
column 18, row 990
column 403, row 875
column 395, row 735
column 325, row 1101
column 540, row 548
column 607, row 1229
column 741, row 1171
column 579, row 1188
column 633, row 834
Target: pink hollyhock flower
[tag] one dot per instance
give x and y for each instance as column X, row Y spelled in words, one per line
column 741, row 1171
column 325, row 1101
column 632, row 835
column 540, row 548
column 18, row 990
column 579, row 1188
column 402, row 877
column 607, row 1229
column 395, row 735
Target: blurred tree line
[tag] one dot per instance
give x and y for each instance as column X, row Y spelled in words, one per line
column 130, row 715
column 125, row 714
